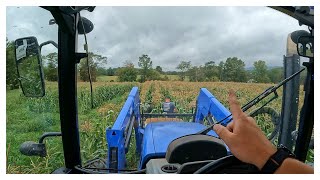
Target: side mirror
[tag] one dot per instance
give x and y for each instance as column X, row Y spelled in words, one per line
column 29, row 67
column 31, row 148
column 305, row 46
column 85, row 26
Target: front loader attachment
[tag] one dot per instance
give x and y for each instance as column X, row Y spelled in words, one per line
column 153, row 136
column 209, row 107
column 118, row 138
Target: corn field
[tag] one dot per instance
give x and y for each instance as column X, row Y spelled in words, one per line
column 28, row 118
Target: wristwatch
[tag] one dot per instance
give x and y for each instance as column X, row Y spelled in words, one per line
column 275, row 161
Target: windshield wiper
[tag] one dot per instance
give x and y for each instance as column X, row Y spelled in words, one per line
column 267, row 92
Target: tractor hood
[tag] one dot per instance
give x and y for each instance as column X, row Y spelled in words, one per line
column 157, row 137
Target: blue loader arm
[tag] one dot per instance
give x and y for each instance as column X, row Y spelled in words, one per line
column 118, row 137
column 208, row 105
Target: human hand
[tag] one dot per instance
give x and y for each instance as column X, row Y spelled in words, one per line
column 244, row 138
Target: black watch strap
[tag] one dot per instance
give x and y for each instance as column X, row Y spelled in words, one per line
column 275, row 161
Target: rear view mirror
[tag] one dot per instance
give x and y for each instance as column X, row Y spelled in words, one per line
column 30, row 148
column 29, row 67
column 305, row 46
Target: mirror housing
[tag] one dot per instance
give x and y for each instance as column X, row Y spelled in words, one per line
column 30, row 148
column 85, row 26
column 305, row 46
column 296, row 34
column 29, row 67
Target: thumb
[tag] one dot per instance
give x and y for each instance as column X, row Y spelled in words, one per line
column 222, row 132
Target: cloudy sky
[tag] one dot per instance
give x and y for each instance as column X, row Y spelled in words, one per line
column 169, row 34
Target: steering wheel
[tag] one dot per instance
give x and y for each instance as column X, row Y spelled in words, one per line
column 228, row 165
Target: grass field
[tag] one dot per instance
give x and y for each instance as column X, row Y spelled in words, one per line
column 107, row 78
column 28, row 118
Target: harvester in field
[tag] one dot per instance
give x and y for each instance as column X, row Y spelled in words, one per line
column 168, row 144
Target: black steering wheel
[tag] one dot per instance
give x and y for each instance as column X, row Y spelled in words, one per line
column 228, row 165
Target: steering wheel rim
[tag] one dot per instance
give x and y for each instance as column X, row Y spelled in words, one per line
column 222, row 163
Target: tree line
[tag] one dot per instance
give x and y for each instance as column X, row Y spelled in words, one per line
column 95, row 61
column 232, row 69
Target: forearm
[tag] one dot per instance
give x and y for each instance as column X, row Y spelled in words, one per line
column 293, row 166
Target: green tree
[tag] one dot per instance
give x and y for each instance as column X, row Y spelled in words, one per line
column 83, row 70
column 211, row 71
column 51, row 69
column 260, row 72
column 101, row 71
column 196, row 74
column 184, row 66
column 275, row 74
column 153, row 75
column 95, row 61
column 234, row 70
column 111, row 71
column 145, row 64
column 221, row 70
column 159, row 69
column 127, row 74
column 12, row 81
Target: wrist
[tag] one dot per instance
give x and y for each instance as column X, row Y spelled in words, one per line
column 276, row 160
column 264, row 156
column 285, row 162
column 291, row 165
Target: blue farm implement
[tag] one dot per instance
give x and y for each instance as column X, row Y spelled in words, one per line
column 175, row 142
column 153, row 138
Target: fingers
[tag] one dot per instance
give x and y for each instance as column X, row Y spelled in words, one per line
column 230, row 126
column 223, row 133
column 252, row 120
column 234, row 105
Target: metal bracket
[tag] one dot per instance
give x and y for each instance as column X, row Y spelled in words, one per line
column 48, row 42
column 79, row 56
column 49, row 134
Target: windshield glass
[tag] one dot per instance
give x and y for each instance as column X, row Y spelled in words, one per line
column 168, row 52
column 27, row 117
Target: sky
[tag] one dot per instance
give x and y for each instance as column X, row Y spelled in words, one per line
column 169, row 34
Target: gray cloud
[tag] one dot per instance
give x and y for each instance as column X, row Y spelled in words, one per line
column 170, row 34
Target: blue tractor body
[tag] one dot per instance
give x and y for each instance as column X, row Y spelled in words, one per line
column 158, row 136
column 152, row 141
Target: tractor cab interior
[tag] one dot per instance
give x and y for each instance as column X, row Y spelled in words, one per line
column 164, row 147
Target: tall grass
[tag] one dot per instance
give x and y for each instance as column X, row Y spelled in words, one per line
column 28, row 118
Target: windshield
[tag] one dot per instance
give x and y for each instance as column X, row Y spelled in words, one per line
column 168, row 52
